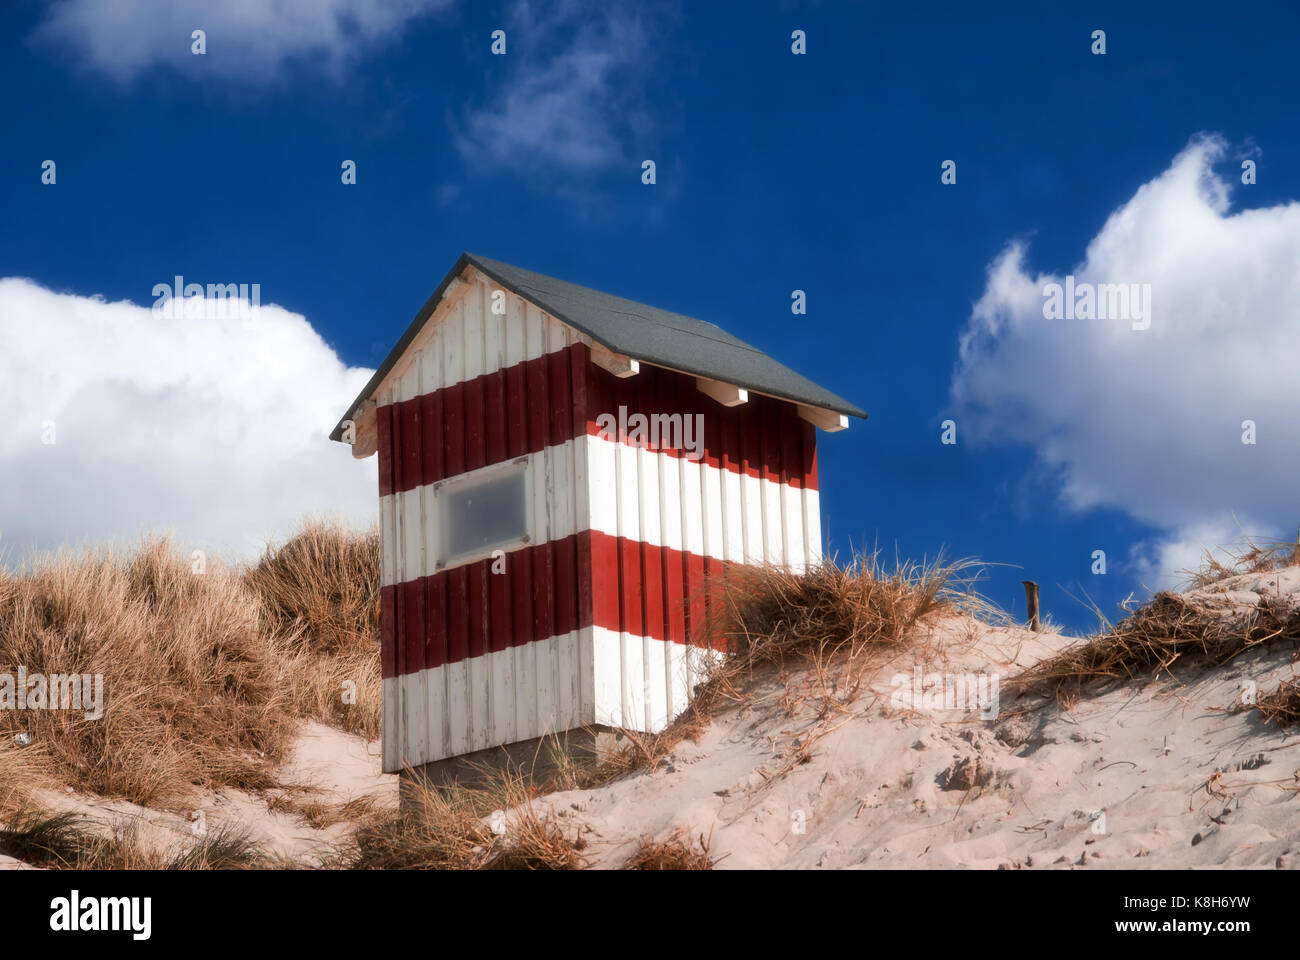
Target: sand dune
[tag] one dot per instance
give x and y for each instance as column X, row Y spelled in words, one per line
column 1168, row 774
column 327, row 768
column 1176, row 772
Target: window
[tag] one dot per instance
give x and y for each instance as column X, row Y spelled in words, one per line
column 483, row 511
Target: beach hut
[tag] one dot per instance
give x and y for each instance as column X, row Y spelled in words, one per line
column 559, row 471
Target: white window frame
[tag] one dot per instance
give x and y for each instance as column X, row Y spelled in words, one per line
column 475, row 478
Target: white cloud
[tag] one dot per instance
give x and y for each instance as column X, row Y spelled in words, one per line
column 246, row 42
column 213, row 429
column 573, row 92
column 1164, row 563
column 1150, row 420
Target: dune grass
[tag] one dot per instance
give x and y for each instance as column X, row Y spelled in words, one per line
column 1173, row 628
column 1281, row 707
column 194, row 690
column 675, row 852
column 207, row 671
column 1249, row 555
column 834, row 620
column 72, row 841
column 320, row 597
column 493, row 826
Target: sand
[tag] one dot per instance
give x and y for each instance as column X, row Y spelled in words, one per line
column 326, row 766
column 1168, row 774
column 1172, row 773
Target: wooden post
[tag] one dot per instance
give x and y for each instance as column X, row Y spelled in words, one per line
column 1031, row 601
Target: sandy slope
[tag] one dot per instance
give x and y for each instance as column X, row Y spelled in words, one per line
column 1161, row 776
column 1166, row 775
column 328, row 765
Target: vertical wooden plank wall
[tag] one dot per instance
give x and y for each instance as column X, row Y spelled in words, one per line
column 663, row 520
column 597, row 619
column 474, row 659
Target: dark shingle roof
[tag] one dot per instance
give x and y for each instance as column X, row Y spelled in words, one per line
column 642, row 332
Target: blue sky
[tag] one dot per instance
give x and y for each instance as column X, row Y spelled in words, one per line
column 774, row 172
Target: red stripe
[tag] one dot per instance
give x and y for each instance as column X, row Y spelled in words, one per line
column 694, row 593
column 750, row 441
column 475, row 419
column 564, row 563
column 456, row 612
column 415, row 625
column 520, row 585
column 652, row 577
column 631, row 618
column 476, row 615
column 538, row 401
column 675, row 598
column 410, row 442
column 499, row 620
column 436, row 610
column 430, row 437
column 548, row 400
column 562, row 406
column 516, row 412
column 790, row 446
column 494, row 407
column 809, row 458
column 734, row 437
column 606, row 581
column 453, row 433
column 578, row 363
column 543, row 591
column 713, row 569
column 384, row 416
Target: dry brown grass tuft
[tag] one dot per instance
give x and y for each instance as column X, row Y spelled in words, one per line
column 435, row 829
column 534, row 842
column 676, row 852
column 193, row 689
column 72, row 841
column 1170, row 628
column 649, row 751
column 320, row 592
column 1248, row 556
column 1281, row 707
column 451, row 828
column 206, row 674
column 835, row 620
column 304, row 803
column 22, row 769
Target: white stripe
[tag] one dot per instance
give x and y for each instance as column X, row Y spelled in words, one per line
column 464, row 339
column 433, row 692
column 620, row 671
column 391, row 730
column 625, row 499
column 705, row 504
column 630, row 693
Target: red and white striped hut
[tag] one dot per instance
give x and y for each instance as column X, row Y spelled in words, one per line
column 559, row 470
